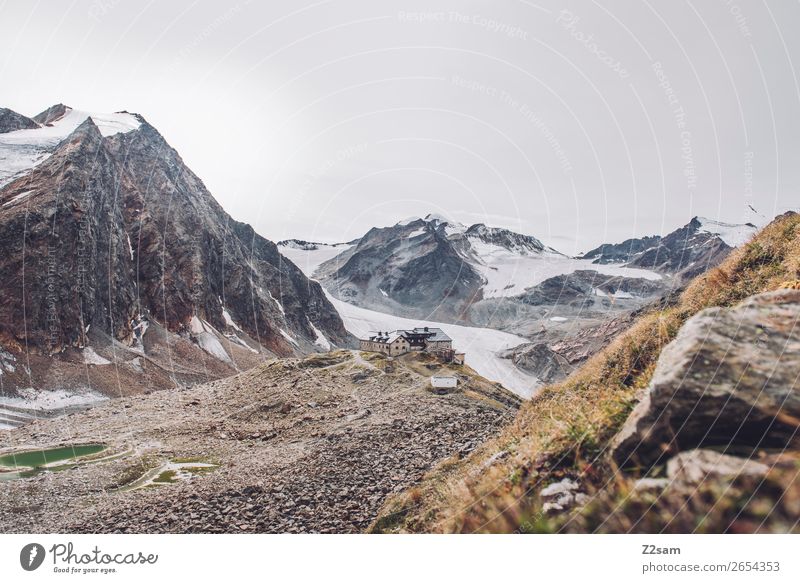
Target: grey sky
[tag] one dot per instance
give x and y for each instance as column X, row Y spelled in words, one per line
column 322, row 119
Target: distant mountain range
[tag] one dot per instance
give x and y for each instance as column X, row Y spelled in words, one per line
column 439, row 269
column 436, row 269
column 114, row 252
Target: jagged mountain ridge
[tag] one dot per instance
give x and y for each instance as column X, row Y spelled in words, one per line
column 687, row 251
column 108, row 232
column 11, row 121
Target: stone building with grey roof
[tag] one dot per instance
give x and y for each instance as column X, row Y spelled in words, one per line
column 421, row 339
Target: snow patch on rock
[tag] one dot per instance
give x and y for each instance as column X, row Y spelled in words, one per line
column 229, row 321
column 320, row 341
column 207, row 338
column 286, row 335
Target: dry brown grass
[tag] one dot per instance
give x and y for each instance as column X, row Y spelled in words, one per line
column 565, row 430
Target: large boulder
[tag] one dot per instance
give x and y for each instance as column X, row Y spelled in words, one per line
column 730, row 378
column 539, row 360
column 699, row 465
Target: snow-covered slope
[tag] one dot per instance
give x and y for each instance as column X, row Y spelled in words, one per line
column 509, row 273
column 22, row 150
column 732, row 235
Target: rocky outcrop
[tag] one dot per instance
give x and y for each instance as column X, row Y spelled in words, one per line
column 694, row 467
column 592, row 309
column 539, row 360
column 514, row 242
column 583, row 288
column 729, row 379
column 51, row 114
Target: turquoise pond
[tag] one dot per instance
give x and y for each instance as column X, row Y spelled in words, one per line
column 43, row 457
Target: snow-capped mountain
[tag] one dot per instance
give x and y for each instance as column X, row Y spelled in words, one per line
column 412, row 268
column 699, row 245
column 27, row 142
column 436, row 268
column 116, row 253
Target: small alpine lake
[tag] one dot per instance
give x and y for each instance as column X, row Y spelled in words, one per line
column 24, row 464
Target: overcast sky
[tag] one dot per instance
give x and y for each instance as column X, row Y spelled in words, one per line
column 319, row 120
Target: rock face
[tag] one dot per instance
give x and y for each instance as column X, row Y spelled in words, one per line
column 730, row 378
column 111, row 235
column 411, row 269
column 52, row 114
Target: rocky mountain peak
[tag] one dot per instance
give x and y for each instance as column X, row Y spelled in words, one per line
column 514, row 242
column 697, row 246
column 119, row 243
column 52, row 114
column 11, row 121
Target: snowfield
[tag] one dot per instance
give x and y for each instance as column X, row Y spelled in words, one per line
column 509, row 274
column 731, row 235
column 22, row 150
column 32, row 404
column 309, row 260
column 51, row 400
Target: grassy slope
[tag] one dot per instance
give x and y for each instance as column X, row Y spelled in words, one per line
column 565, row 430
